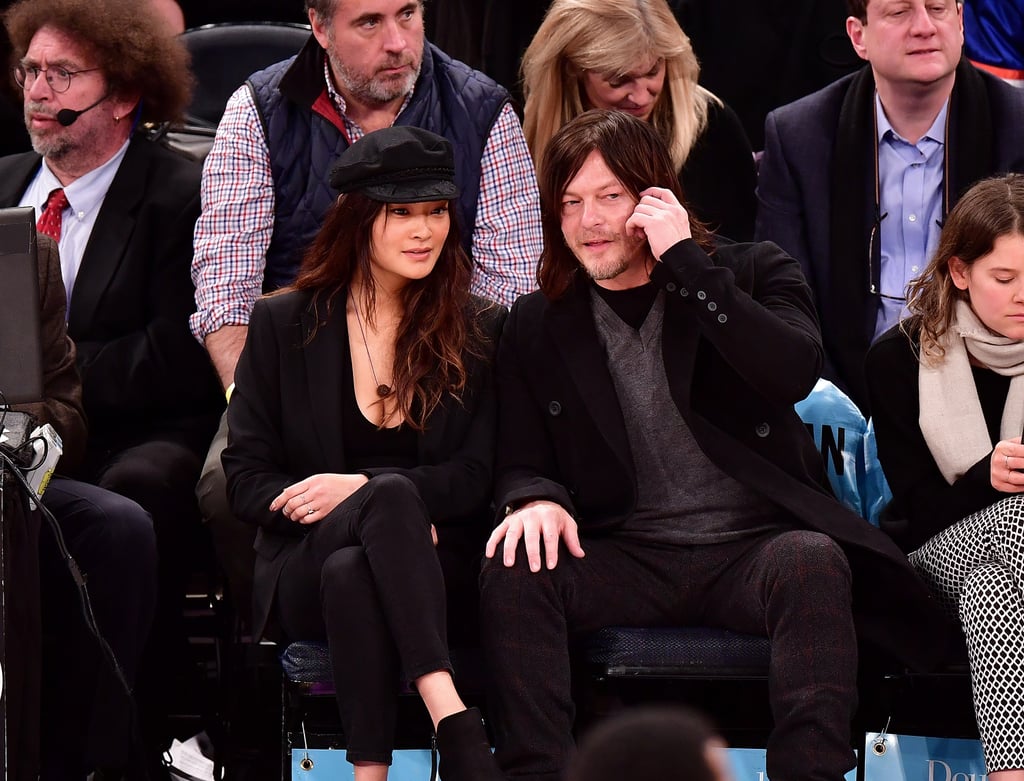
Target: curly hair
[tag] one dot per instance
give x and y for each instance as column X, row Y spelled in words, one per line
column 439, row 327
column 126, row 39
column 631, row 149
column 990, row 209
column 611, row 36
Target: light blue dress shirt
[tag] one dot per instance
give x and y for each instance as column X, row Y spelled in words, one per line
column 85, row 197
column 910, row 180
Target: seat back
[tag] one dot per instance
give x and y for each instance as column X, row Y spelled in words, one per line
column 225, row 55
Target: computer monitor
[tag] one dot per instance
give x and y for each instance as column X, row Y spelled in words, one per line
column 21, row 372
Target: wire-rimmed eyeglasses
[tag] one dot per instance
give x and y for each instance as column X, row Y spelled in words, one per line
column 57, row 76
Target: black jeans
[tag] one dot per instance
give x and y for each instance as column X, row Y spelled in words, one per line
column 792, row 586
column 367, row 579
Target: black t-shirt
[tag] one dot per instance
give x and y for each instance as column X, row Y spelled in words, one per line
column 631, row 305
column 366, row 446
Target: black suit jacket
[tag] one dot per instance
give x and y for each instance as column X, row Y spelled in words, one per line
column 818, row 152
column 143, row 374
column 741, row 346
column 284, row 424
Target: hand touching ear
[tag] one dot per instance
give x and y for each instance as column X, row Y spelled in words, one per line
column 662, row 219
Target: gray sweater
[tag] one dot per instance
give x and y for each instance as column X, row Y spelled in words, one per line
column 682, row 497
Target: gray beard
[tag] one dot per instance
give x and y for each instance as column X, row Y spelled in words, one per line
column 370, row 90
column 52, row 148
column 607, row 271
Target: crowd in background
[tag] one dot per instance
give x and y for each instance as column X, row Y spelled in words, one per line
column 764, row 185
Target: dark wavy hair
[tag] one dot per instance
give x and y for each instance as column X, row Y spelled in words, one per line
column 990, row 209
column 128, row 41
column 439, row 327
column 635, row 153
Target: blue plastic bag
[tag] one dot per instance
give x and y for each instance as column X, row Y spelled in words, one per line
column 846, row 444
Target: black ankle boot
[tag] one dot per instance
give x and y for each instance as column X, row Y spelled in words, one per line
column 465, row 753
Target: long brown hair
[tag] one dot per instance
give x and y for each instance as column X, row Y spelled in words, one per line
column 438, row 327
column 634, row 152
column 990, row 209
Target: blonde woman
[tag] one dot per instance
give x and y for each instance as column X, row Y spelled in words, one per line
column 632, row 56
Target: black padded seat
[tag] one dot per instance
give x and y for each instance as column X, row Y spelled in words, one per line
column 225, row 55
column 677, row 652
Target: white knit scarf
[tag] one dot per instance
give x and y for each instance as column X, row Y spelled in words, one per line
column 951, row 418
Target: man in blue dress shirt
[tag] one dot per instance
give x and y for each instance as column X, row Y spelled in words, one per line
column 857, row 177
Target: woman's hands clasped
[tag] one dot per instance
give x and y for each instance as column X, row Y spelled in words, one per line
column 1005, row 465
column 312, row 499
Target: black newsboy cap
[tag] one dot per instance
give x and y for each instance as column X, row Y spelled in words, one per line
column 398, row 165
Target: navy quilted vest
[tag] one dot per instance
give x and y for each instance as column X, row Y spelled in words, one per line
column 449, row 99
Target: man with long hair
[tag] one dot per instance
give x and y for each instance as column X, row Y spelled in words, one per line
column 651, row 469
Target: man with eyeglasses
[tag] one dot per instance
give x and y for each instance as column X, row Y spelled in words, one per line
column 122, row 209
column 857, row 178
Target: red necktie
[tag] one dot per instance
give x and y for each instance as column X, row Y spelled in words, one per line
column 53, row 213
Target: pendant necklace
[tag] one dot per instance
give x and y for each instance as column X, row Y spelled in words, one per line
column 382, row 390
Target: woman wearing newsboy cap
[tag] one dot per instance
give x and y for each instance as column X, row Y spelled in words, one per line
column 362, row 436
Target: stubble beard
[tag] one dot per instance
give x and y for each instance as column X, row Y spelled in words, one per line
column 372, row 89
column 599, row 269
column 53, row 144
column 608, row 269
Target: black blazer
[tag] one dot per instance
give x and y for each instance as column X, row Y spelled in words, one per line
column 741, row 346
column 143, row 373
column 816, row 196
column 284, row 424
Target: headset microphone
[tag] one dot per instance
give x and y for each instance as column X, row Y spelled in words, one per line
column 66, row 117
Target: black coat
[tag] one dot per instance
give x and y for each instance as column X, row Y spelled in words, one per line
column 284, row 425
column 741, row 346
column 923, row 503
column 719, row 177
column 816, row 193
column 143, row 374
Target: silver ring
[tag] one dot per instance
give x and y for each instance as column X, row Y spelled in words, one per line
column 1007, row 458
column 310, row 511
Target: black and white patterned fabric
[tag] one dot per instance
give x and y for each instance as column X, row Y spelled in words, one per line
column 976, row 568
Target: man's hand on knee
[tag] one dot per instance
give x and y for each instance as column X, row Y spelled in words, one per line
column 533, row 522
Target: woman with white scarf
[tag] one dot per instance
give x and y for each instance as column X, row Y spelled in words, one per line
column 947, row 395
